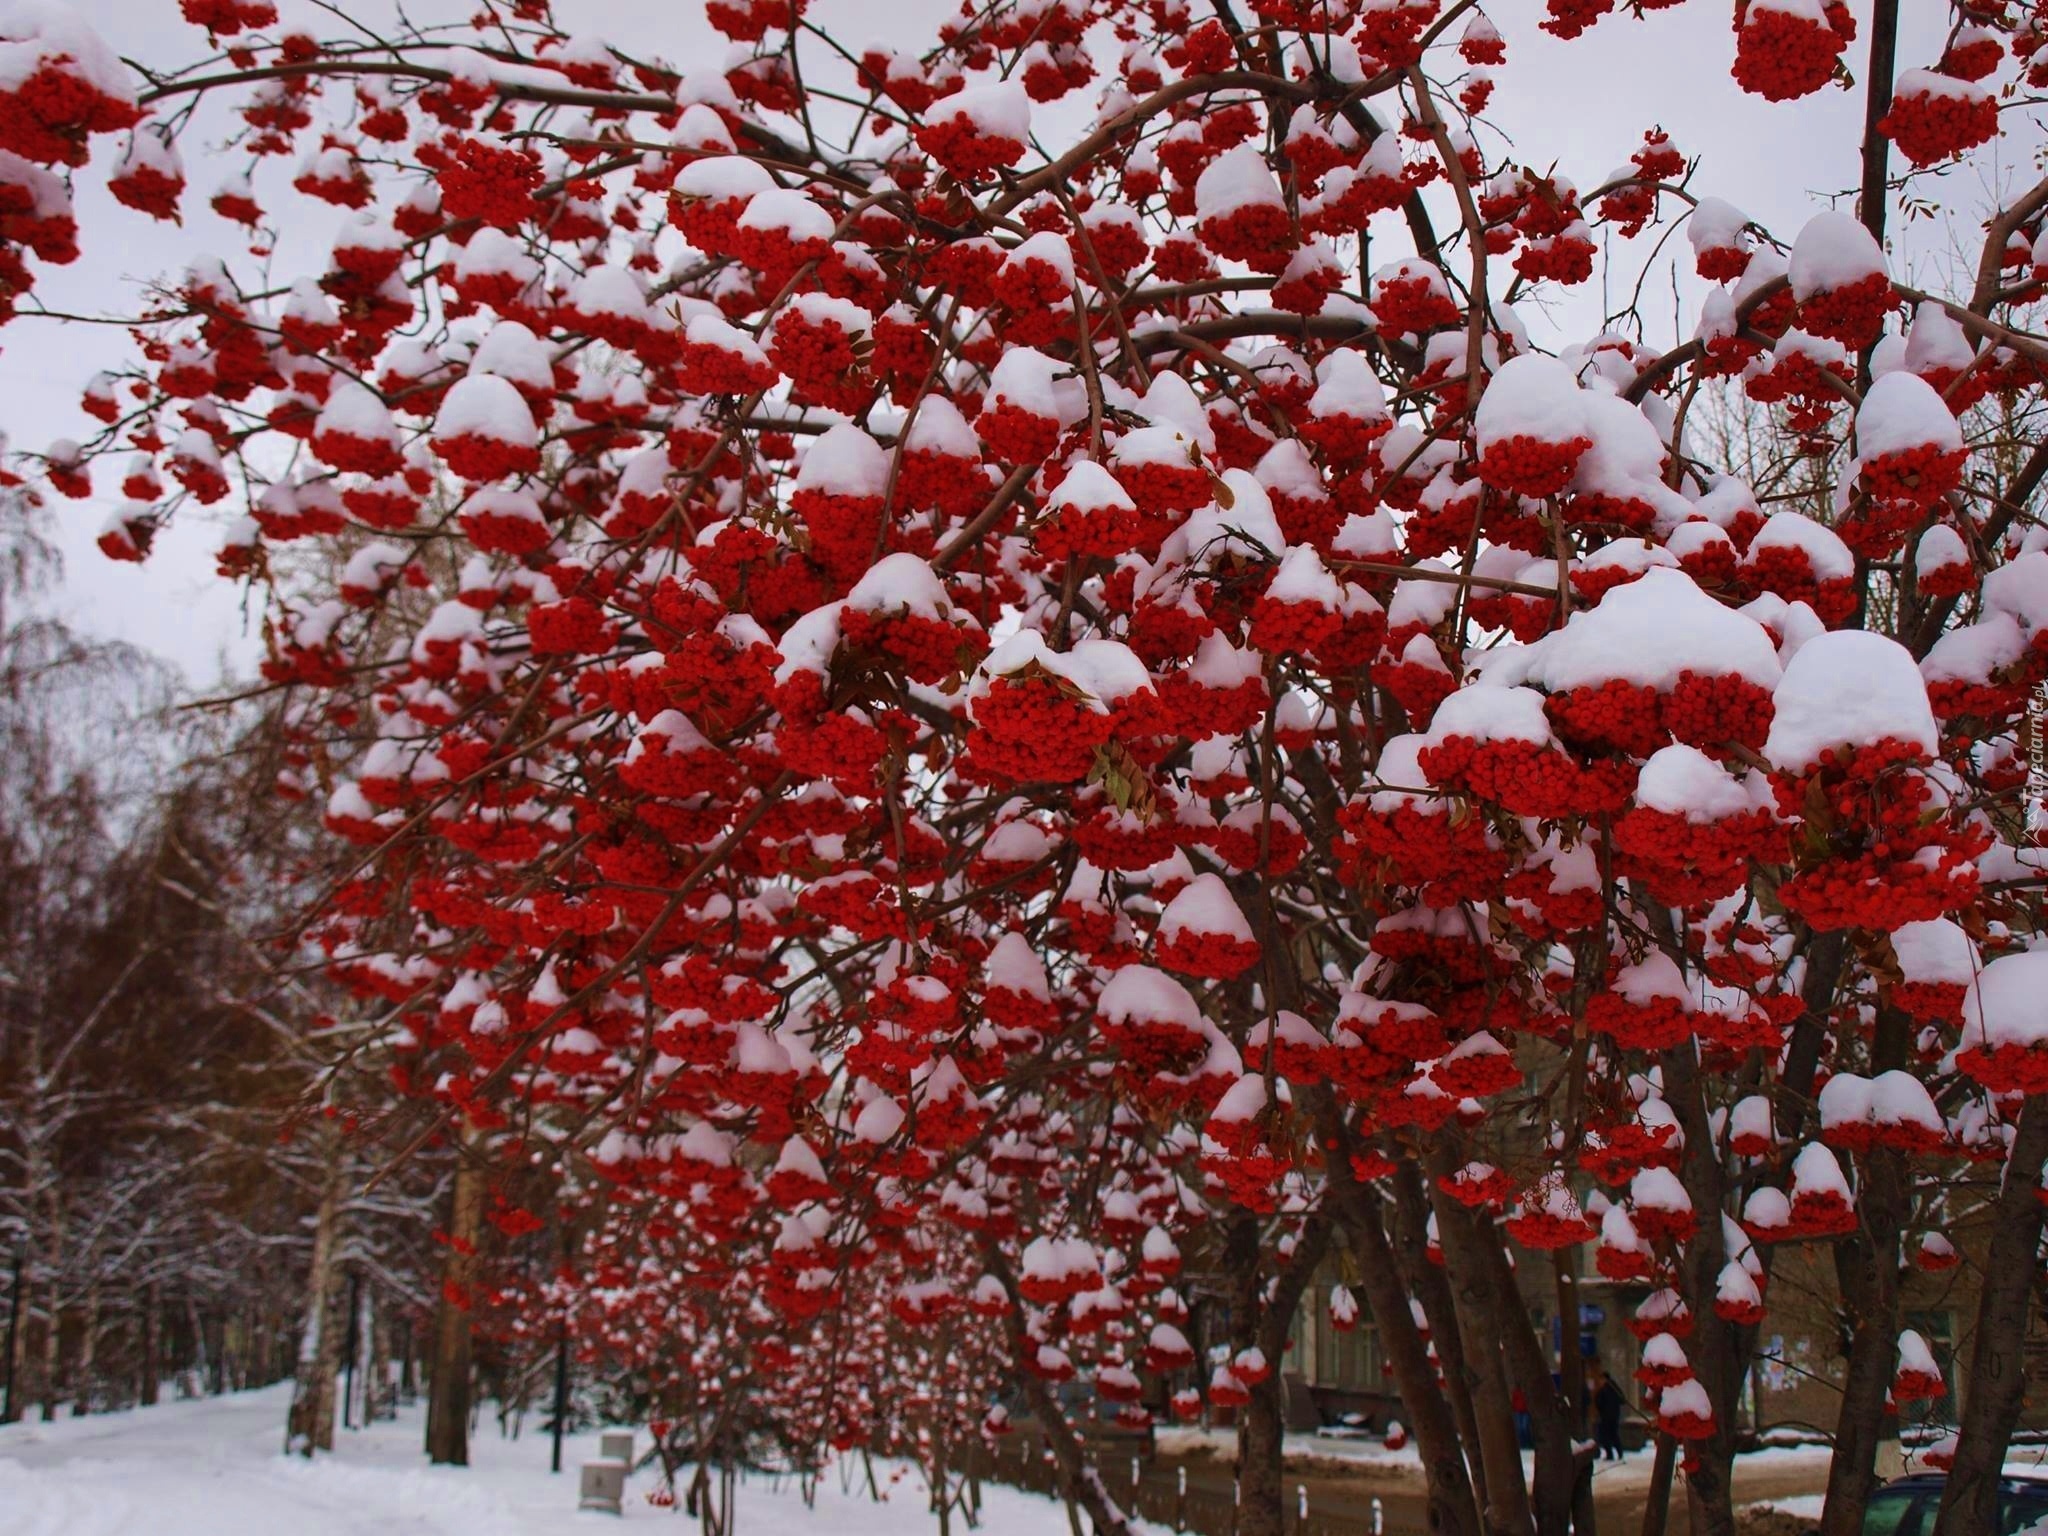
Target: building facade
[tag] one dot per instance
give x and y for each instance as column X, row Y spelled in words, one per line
column 1794, row 1388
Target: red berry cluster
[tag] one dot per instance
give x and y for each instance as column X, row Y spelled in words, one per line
column 475, row 456
column 491, row 183
column 1853, row 314
column 1029, row 730
column 926, row 650
column 1544, row 1230
column 1215, row 956
column 1781, row 55
column 967, row 153
column 1529, row 466
column 1930, row 126
column 1526, row 779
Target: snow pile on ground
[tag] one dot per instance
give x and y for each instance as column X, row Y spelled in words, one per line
column 215, row 1467
column 1805, row 1506
column 1299, row 1451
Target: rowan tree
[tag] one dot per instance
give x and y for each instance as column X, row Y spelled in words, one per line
column 985, row 669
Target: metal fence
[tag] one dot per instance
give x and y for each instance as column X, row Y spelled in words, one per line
column 1162, row 1496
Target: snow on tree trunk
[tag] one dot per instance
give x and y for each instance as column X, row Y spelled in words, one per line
column 380, row 1398
column 448, row 1380
column 310, row 1426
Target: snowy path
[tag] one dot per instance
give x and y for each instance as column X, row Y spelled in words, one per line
column 211, row 1467
column 214, row 1468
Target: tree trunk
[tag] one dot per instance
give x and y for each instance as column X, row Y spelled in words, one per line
column 1507, row 1511
column 1263, row 1317
column 378, row 1400
column 51, row 1382
column 408, row 1380
column 1556, row 1465
column 201, row 1367
column 1992, row 1399
column 1571, row 1367
column 1260, row 1455
column 17, row 1340
column 448, row 1387
column 1451, row 1509
column 1472, row 1244
column 152, row 1334
column 941, row 1492
column 1261, row 1461
column 1079, row 1483
column 1426, row 1283
column 1720, row 1353
column 1867, row 1267
column 1657, row 1504
column 352, row 1354
column 277, row 1348
column 88, row 1354
column 310, row 1425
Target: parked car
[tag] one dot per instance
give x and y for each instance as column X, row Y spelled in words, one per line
column 1906, row 1506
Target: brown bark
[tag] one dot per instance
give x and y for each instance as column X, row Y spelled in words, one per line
column 1657, row 1503
column 1719, row 1353
column 378, row 1401
column 1484, row 1285
column 310, row 1425
column 448, row 1390
column 1426, row 1283
column 1507, row 1511
column 1571, row 1378
column 1556, row 1464
column 49, row 1380
column 408, row 1365
column 1078, row 1481
column 152, row 1335
column 1867, row 1266
column 88, row 1354
column 1991, row 1403
column 201, row 1367
column 1571, row 1369
column 17, row 1341
column 1877, row 101
column 1263, row 1319
column 1451, row 1509
column 1259, row 1450
column 1723, row 1354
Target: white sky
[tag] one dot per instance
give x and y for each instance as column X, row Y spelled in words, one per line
column 1580, row 107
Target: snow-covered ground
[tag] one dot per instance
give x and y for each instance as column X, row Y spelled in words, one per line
column 1299, row 1449
column 1367, row 1454
column 215, row 1467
